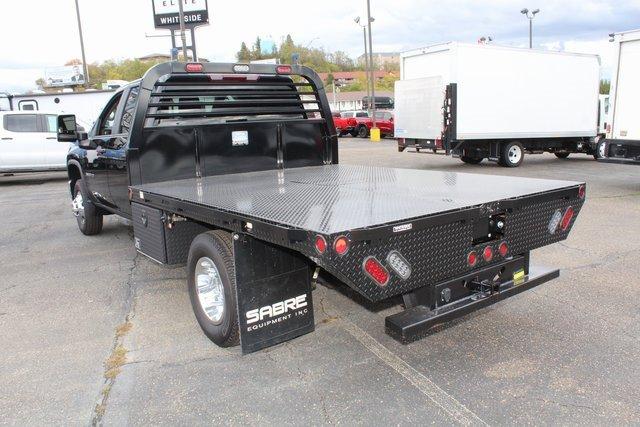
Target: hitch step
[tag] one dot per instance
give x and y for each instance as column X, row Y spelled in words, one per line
column 418, row 321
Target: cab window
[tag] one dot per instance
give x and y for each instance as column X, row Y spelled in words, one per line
column 108, row 118
column 129, row 110
column 21, row 122
column 51, row 123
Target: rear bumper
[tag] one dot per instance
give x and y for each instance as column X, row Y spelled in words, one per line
column 420, row 320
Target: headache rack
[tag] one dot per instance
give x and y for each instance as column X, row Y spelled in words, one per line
column 190, row 114
column 220, row 94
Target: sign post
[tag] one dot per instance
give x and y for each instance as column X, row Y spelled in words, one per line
column 181, row 15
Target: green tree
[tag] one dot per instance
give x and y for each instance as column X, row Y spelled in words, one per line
column 256, row 53
column 244, row 54
column 605, row 86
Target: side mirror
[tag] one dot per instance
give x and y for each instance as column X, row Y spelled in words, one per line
column 391, row 119
column 67, row 128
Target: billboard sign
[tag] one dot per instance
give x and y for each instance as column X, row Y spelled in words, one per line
column 166, row 13
column 71, row 75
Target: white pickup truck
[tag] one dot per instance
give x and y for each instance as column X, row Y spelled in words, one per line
column 28, row 142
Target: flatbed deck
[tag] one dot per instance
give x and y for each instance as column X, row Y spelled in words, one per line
column 337, row 198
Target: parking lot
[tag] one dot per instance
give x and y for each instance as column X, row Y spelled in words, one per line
column 91, row 332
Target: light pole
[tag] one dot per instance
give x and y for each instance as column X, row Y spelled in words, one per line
column 372, row 100
column 84, row 61
column 366, row 58
column 530, row 17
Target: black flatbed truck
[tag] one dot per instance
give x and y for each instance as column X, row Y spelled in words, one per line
column 233, row 169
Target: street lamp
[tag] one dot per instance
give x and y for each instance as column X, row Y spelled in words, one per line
column 366, row 56
column 530, row 17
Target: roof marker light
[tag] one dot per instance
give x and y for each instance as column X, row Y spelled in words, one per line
column 283, row 69
column 194, row 67
column 241, row 68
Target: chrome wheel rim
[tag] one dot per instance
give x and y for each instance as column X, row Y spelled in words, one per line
column 77, row 205
column 601, row 150
column 210, row 289
column 515, row 154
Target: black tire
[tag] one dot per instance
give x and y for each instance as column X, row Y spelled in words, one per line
column 562, row 155
column 89, row 218
column 471, row 160
column 600, row 150
column 217, row 246
column 512, row 155
column 363, row 132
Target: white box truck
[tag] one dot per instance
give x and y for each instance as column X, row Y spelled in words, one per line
column 490, row 102
column 622, row 144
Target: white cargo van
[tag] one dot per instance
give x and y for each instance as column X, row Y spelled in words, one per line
column 491, row 102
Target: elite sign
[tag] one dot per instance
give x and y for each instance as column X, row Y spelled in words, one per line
column 166, row 13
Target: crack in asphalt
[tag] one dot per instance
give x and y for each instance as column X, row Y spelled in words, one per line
column 109, row 380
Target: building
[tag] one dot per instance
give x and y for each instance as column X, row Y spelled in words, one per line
column 345, row 78
column 382, row 58
column 347, row 101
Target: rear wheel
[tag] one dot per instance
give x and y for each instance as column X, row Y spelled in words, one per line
column 88, row 216
column 212, row 287
column 601, row 151
column 562, row 155
column 363, row 131
column 471, row 160
column 512, row 154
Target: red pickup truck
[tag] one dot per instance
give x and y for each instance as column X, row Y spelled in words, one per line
column 346, row 122
column 384, row 122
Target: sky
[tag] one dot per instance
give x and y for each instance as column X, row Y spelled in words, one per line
column 46, row 32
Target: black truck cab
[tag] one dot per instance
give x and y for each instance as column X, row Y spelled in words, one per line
column 232, row 169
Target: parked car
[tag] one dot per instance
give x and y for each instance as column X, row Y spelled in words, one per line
column 29, row 143
column 384, row 122
column 346, row 122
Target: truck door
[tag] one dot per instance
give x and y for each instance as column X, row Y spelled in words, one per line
column 21, row 145
column 118, row 174
column 99, row 160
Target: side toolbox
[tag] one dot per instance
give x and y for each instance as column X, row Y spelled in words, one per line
column 164, row 242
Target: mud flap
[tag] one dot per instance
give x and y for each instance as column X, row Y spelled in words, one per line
column 273, row 291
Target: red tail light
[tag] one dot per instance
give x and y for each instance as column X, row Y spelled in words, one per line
column 341, row 245
column 472, row 258
column 194, row 67
column 283, row 69
column 566, row 219
column 487, row 253
column 376, row 271
column 320, row 244
column 503, row 249
column 582, row 190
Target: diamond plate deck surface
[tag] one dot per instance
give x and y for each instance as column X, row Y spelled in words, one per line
column 336, row 198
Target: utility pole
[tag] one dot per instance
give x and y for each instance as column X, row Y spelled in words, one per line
column 372, row 100
column 183, row 36
column 366, row 59
column 84, row 61
column 530, row 17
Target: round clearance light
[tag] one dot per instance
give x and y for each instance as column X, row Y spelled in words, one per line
column 487, row 254
column 582, row 191
column 376, row 271
column 566, row 219
column 472, row 258
column 320, row 244
column 194, row 67
column 341, row 245
column 503, row 249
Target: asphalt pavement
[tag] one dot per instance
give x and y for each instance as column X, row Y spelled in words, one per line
column 92, row 333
